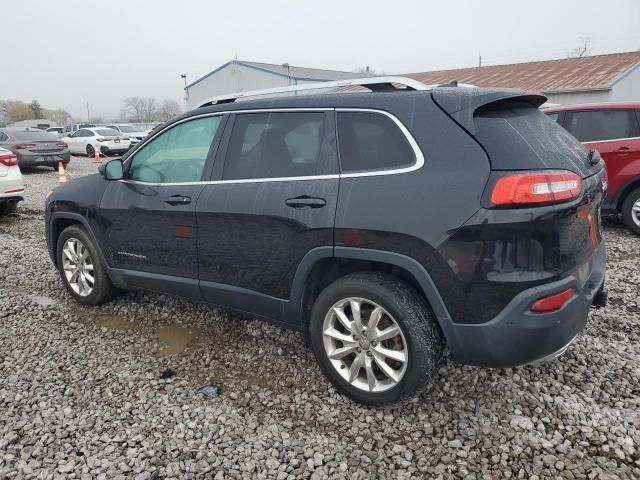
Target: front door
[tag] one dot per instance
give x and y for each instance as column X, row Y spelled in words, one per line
column 149, row 217
column 273, row 200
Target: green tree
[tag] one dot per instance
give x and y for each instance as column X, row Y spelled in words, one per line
column 20, row 112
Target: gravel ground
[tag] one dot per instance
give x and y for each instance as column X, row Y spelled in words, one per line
column 81, row 394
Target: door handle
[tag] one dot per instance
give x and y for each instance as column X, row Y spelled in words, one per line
column 623, row 150
column 178, row 200
column 304, row 201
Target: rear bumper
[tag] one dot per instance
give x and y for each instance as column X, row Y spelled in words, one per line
column 517, row 336
column 120, row 150
column 35, row 159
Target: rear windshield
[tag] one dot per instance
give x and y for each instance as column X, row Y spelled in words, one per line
column 518, row 136
column 107, row 132
column 34, row 135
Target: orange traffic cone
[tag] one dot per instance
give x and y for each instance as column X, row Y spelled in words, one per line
column 96, row 154
column 62, row 176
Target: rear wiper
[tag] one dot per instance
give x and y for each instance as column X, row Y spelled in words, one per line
column 593, row 157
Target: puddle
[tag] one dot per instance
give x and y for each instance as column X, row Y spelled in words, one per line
column 176, row 337
column 112, row 322
column 42, row 300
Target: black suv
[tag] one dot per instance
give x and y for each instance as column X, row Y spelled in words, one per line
column 383, row 225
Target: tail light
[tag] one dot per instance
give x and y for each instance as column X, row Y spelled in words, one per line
column 536, row 187
column 552, row 302
column 102, row 139
column 61, row 145
column 8, row 160
column 20, row 146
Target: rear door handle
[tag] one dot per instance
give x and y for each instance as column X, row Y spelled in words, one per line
column 305, row 202
column 178, row 200
column 624, row 150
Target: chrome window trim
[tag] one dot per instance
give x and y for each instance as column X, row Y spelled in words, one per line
column 611, row 140
column 419, row 157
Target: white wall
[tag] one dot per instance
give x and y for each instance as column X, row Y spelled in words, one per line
column 231, row 79
column 627, row 89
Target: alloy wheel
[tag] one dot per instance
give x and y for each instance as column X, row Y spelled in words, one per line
column 635, row 212
column 78, row 267
column 365, row 344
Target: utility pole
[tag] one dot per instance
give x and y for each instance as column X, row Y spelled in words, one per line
column 479, row 60
column 288, row 67
column 88, row 113
column 186, row 94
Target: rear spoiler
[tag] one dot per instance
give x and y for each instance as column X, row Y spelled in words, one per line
column 462, row 103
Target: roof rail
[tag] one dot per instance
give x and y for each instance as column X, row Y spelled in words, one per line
column 375, row 84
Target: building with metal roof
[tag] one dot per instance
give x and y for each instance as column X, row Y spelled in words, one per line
column 598, row 78
column 240, row 76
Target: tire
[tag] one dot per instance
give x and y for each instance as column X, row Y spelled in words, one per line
column 90, row 151
column 631, row 218
column 102, row 289
column 420, row 340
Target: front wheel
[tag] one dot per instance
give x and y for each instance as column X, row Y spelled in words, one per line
column 90, row 151
column 631, row 211
column 80, row 268
column 375, row 338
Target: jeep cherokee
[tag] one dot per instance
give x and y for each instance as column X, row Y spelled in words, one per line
column 383, row 225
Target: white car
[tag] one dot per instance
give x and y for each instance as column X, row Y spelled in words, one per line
column 134, row 133
column 11, row 186
column 106, row 140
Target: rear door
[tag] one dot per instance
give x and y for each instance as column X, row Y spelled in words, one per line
column 273, row 199
column 615, row 134
column 149, row 217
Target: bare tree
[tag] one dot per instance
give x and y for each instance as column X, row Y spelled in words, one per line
column 150, row 109
column 368, row 71
column 168, row 109
column 134, row 108
column 583, row 49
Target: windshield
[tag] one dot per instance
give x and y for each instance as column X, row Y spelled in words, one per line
column 107, row 132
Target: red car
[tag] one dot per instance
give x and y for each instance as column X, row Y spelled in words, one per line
column 613, row 129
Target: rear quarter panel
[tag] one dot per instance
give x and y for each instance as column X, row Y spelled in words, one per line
column 415, row 213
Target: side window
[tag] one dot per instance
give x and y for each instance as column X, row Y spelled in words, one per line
column 371, row 141
column 595, row 125
column 553, row 116
column 177, row 155
column 274, row 145
column 3, row 137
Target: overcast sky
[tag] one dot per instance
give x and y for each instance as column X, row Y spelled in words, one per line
column 65, row 53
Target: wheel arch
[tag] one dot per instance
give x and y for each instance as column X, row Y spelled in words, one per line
column 626, row 189
column 59, row 222
column 320, row 267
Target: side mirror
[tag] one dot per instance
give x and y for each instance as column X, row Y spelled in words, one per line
column 112, row 170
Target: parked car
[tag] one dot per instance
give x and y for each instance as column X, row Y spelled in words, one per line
column 613, row 129
column 74, row 127
column 34, row 147
column 11, row 186
column 436, row 216
column 134, row 133
column 86, row 140
column 55, row 130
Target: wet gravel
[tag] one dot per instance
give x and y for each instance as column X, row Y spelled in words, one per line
column 81, row 394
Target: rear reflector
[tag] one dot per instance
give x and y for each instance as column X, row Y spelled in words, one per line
column 8, row 160
column 536, row 187
column 15, row 190
column 21, row 146
column 552, row 302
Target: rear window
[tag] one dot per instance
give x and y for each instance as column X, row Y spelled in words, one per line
column 107, row 132
column 371, row 141
column 596, row 125
column 518, row 136
column 34, row 135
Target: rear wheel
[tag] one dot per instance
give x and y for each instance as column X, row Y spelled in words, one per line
column 80, row 268
column 631, row 211
column 90, row 151
column 375, row 338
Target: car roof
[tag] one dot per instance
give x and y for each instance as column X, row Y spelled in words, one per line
column 595, row 106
